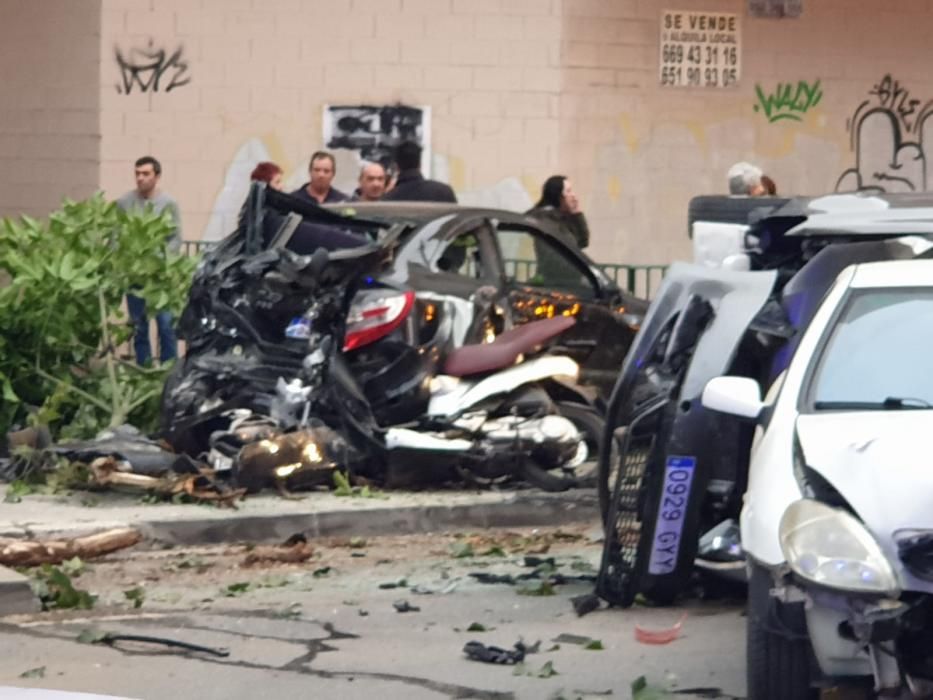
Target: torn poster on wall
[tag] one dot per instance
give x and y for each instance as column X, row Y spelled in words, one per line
column 375, row 131
column 700, row 49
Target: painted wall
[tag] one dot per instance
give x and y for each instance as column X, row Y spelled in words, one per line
column 518, row 89
column 49, row 103
column 813, row 102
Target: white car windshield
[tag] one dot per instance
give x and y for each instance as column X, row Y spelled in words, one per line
column 880, row 353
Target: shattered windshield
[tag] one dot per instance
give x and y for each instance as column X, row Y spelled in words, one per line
column 878, row 354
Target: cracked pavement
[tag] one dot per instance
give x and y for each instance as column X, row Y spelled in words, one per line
column 328, row 627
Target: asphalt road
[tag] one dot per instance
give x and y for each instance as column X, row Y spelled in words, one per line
column 326, row 629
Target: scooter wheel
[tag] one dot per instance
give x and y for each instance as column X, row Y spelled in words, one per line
column 590, row 424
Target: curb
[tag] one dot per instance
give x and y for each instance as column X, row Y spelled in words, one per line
column 525, row 510
column 16, row 596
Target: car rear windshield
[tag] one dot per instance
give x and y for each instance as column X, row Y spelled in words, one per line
column 879, row 354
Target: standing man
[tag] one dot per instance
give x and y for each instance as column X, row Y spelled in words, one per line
column 411, row 185
column 148, row 174
column 317, row 190
column 745, row 180
column 372, row 183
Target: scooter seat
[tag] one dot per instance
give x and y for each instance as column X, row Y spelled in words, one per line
column 505, row 349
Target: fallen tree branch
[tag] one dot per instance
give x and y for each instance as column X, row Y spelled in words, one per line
column 15, row 552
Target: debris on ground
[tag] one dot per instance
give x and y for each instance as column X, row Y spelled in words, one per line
column 403, row 606
column 585, row 604
column 477, row 651
column 38, row 672
column 293, row 551
column 16, row 552
column 664, row 636
column 56, row 591
column 91, row 636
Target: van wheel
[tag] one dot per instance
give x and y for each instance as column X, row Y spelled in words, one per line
column 777, row 645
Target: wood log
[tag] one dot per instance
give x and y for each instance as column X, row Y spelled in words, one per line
column 294, row 554
column 14, row 552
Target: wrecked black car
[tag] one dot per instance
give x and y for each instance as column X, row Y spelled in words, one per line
column 526, row 270
column 300, row 364
column 672, row 474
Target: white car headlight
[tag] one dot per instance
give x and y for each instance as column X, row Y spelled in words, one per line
column 830, row 547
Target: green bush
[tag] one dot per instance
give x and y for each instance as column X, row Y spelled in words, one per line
column 61, row 318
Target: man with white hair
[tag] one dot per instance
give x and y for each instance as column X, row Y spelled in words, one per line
column 372, row 183
column 745, row 179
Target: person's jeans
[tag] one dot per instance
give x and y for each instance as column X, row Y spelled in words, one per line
column 168, row 345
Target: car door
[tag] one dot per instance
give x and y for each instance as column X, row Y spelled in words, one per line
column 544, row 278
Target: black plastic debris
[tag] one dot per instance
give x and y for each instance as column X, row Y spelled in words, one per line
column 403, row 606
column 477, row 651
column 585, row 604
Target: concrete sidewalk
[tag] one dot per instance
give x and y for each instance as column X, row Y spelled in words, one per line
column 268, row 518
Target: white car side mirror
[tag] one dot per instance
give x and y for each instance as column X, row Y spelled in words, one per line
column 737, row 396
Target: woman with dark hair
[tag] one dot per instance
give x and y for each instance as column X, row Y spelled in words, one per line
column 268, row 172
column 559, row 205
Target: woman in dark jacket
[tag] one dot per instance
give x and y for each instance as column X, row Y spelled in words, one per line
column 560, row 205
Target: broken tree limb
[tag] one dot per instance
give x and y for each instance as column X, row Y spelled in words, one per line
column 15, row 552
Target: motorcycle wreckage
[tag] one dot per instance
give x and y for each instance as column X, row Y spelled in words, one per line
column 277, row 386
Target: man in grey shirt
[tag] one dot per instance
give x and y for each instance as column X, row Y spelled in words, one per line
column 148, row 174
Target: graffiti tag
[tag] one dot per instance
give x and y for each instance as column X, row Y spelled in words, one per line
column 145, row 68
column 888, row 133
column 788, row 101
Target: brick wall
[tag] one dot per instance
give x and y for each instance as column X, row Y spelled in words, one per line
column 49, row 88
column 638, row 151
column 262, row 71
column 519, row 90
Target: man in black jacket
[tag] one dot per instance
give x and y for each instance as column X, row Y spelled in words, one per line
column 411, row 185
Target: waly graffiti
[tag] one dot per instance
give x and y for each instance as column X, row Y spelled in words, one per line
column 146, row 67
column 888, row 133
column 788, row 101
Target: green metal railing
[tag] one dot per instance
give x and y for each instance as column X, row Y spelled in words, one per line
column 640, row 280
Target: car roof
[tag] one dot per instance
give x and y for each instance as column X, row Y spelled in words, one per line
column 420, row 212
column 861, row 213
column 893, row 273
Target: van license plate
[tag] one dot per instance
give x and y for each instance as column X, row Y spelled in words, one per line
column 678, row 476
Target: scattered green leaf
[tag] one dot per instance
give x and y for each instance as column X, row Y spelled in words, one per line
column 16, row 490
column 594, row 645
column 136, row 596
column 342, row 484
column 477, row 627
column 322, row 572
column 92, row 636
column 56, row 591
column 546, row 671
column 495, row 551
column 357, row 543
column 541, row 588
column 236, row 589
column 73, row 567
column 34, row 673
column 461, row 550
column 642, row 690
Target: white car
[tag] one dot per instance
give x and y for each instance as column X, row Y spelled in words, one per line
column 837, row 521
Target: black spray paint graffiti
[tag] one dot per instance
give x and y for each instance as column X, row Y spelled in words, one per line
column 888, row 133
column 788, row 101
column 146, row 67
